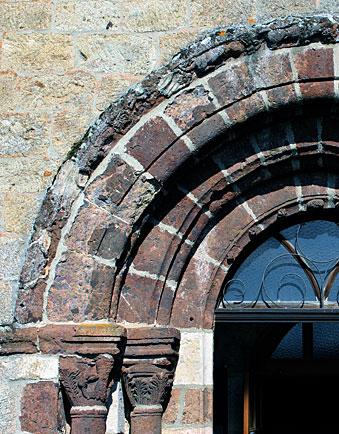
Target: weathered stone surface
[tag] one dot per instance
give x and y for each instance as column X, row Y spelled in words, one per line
column 70, row 91
column 205, row 13
column 92, row 15
column 190, row 108
column 29, row 367
column 271, row 69
column 195, row 361
column 116, row 54
column 8, row 291
column 204, row 132
column 171, row 412
column 23, row 135
column 267, row 9
column 11, row 250
column 315, row 63
column 16, row 341
column 150, row 141
column 153, row 15
column 171, row 43
column 137, row 302
column 35, row 174
column 232, row 84
column 112, row 86
column 83, row 339
column 9, row 90
column 170, row 161
column 20, row 212
column 82, row 290
column 68, row 129
column 40, row 408
column 317, row 90
column 198, row 406
column 25, row 16
column 109, row 189
column 9, row 406
column 95, row 232
column 280, row 96
column 51, row 52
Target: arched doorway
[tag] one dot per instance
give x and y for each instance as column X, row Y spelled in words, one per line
column 171, row 189
column 273, row 375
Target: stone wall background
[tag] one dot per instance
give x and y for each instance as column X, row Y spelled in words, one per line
column 62, row 63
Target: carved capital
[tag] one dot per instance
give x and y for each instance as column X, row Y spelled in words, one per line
column 148, row 368
column 85, row 380
column 146, row 384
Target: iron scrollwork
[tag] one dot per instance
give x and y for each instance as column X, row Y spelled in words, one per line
column 307, row 283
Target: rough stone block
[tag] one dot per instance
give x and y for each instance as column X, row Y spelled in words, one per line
column 70, row 91
column 195, row 359
column 153, row 254
column 245, row 109
column 198, row 406
column 150, row 141
column 9, row 90
column 10, row 393
column 116, row 53
column 317, row 90
column 8, row 291
column 171, row 43
column 271, row 69
column 40, row 406
column 207, row 130
column 267, row 9
column 170, row 161
column 29, row 367
column 20, row 212
column 35, row 15
column 190, row 108
column 138, row 300
column 280, row 96
column 109, row 188
column 171, row 413
column 51, row 52
column 68, row 128
column 153, row 15
column 81, row 290
column 232, row 84
column 315, row 63
column 95, row 232
column 220, row 12
column 11, row 256
column 91, row 15
column 35, row 174
column 110, row 87
column 18, row 340
column 24, row 135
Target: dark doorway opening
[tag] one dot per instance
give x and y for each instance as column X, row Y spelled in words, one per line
column 276, row 378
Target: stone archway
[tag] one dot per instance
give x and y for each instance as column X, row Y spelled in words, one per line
column 169, row 186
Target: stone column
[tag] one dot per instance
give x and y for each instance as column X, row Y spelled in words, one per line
column 148, row 368
column 86, row 374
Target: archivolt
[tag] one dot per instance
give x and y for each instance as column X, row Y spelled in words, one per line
column 244, row 134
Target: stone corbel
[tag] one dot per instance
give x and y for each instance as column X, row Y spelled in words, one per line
column 148, row 368
column 86, row 367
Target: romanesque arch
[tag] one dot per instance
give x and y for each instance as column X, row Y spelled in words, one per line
column 166, row 190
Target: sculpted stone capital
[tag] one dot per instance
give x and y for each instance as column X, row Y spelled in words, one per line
column 86, row 380
column 148, row 369
column 146, row 384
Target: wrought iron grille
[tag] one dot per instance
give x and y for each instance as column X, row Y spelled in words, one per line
column 297, row 268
